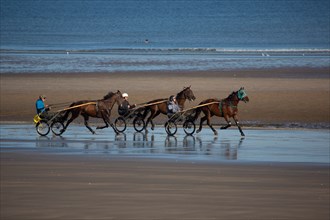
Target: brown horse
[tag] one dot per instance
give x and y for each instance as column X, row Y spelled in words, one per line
column 161, row 107
column 97, row 109
column 226, row 108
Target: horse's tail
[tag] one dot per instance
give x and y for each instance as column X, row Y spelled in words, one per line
column 196, row 113
column 150, row 105
column 67, row 112
column 198, row 110
column 145, row 112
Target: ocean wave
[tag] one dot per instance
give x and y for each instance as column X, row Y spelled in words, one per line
column 287, row 51
column 153, row 59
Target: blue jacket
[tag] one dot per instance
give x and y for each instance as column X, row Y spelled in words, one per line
column 40, row 106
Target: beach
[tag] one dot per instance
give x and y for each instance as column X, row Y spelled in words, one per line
column 43, row 183
column 35, row 185
column 81, row 50
column 277, row 96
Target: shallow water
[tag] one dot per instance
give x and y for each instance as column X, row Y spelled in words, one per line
column 258, row 146
column 157, row 61
column 144, row 35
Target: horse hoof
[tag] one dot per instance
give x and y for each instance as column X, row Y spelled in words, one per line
column 198, row 131
column 152, row 128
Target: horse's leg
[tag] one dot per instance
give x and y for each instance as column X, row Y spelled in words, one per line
column 207, row 117
column 226, row 117
column 144, row 116
column 239, row 127
column 106, row 118
column 145, row 113
column 114, row 128
column 74, row 115
column 106, row 121
column 152, row 122
column 152, row 112
column 86, row 124
column 208, row 121
column 201, row 124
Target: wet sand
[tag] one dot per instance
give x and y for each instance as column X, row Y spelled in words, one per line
column 45, row 186
column 298, row 95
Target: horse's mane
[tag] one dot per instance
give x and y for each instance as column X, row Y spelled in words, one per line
column 180, row 93
column 109, row 95
column 230, row 97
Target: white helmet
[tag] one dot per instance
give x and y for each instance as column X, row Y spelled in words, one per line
column 125, row 95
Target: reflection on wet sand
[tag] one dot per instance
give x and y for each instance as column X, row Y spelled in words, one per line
column 224, row 148
column 259, row 145
column 144, row 143
column 44, row 141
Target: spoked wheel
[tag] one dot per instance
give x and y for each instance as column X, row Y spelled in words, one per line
column 170, row 128
column 57, row 128
column 138, row 124
column 120, row 124
column 189, row 127
column 42, row 128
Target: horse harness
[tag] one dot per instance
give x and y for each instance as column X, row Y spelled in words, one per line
column 222, row 103
column 98, row 108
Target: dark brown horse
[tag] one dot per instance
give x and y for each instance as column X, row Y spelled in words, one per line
column 97, row 109
column 161, row 107
column 226, row 108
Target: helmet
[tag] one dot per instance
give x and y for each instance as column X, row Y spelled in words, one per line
column 125, row 95
column 171, row 98
column 42, row 96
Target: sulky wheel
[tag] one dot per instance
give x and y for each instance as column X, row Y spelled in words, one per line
column 170, row 128
column 57, row 128
column 42, row 128
column 120, row 124
column 138, row 124
column 189, row 127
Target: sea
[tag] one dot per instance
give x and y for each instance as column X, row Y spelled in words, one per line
column 65, row 36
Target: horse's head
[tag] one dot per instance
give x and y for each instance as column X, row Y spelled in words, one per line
column 119, row 97
column 241, row 95
column 116, row 96
column 186, row 93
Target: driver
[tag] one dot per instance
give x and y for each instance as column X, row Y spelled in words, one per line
column 124, row 107
column 172, row 106
column 41, row 107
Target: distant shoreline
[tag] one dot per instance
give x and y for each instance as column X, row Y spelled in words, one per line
column 280, row 72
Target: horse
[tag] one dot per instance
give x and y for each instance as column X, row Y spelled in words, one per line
column 94, row 108
column 161, row 106
column 226, row 108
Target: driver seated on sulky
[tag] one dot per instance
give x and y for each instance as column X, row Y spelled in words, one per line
column 172, row 107
column 42, row 108
column 124, row 107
